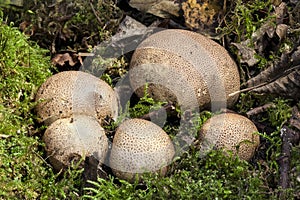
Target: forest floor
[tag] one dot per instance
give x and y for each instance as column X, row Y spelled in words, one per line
column 41, row 38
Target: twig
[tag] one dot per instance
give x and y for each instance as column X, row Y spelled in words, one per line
column 289, row 137
column 260, row 109
column 42, row 159
column 247, row 89
column 94, row 11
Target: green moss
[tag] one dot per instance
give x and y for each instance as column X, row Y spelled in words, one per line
column 280, row 112
column 24, row 174
column 215, row 177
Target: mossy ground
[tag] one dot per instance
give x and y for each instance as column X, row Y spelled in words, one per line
column 26, row 174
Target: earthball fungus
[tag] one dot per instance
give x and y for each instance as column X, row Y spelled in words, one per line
column 231, row 132
column 75, row 92
column 71, row 138
column 140, row 146
column 184, row 67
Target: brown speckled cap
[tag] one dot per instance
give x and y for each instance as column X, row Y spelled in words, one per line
column 79, row 135
column 182, row 66
column 69, row 92
column 140, row 146
column 230, row 131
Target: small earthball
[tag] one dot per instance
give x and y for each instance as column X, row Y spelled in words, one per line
column 75, row 92
column 184, row 67
column 231, row 132
column 140, row 146
column 71, row 138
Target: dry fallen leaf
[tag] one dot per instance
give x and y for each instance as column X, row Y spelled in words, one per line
column 282, row 67
column 280, row 12
column 268, row 37
column 281, row 31
column 63, row 59
column 288, row 85
column 281, row 78
column 247, row 54
column 129, row 35
column 160, row 8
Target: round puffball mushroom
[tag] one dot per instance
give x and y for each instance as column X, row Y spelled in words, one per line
column 75, row 92
column 231, row 132
column 69, row 138
column 184, row 67
column 140, row 146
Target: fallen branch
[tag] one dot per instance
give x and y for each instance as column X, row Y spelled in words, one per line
column 260, row 109
column 289, row 137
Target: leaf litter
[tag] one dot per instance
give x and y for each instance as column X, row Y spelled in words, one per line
column 282, row 76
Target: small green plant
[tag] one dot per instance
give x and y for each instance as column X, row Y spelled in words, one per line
column 280, row 113
column 246, row 17
column 108, row 69
column 145, row 105
column 248, row 101
column 114, row 189
column 142, row 107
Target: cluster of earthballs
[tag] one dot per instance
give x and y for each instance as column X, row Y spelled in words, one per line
column 73, row 104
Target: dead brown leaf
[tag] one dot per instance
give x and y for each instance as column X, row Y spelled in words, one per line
column 160, row 8
column 281, row 31
column 280, row 12
column 281, row 78
column 247, row 54
column 63, row 59
column 288, row 85
column 269, row 36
